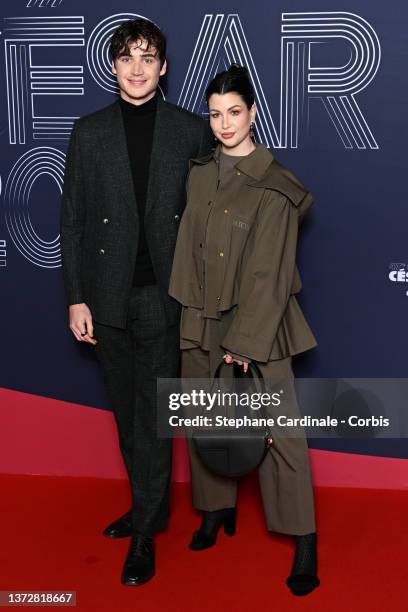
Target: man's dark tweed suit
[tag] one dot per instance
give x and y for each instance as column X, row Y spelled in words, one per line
column 136, row 328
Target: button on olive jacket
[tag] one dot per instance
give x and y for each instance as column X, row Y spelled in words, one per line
column 249, row 229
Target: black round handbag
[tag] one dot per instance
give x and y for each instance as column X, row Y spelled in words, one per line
column 234, row 454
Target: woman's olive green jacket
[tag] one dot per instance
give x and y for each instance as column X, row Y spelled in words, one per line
column 236, row 247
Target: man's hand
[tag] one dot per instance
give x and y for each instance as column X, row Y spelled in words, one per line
column 230, row 359
column 80, row 323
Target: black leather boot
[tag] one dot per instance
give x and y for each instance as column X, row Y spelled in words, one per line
column 206, row 536
column 303, row 578
column 139, row 566
column 121, row 528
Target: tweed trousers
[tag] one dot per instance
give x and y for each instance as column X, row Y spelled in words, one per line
column 131, row 360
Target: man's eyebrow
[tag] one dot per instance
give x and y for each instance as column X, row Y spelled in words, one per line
column 149, row 54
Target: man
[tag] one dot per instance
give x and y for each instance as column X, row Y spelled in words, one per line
column 124, row 193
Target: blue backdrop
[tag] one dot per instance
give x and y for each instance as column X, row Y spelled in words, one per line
column 332, row 89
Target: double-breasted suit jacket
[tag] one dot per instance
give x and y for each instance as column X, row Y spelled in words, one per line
column 99, row 221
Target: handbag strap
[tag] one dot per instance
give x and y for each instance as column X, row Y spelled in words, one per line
column 252, row 367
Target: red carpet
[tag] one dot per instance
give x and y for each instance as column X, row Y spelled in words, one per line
column 51, row 540
column 48, row 430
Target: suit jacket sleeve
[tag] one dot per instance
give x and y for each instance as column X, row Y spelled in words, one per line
column 266, row 280
column 72, row 221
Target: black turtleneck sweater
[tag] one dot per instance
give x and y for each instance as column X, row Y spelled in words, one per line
column 139, row 127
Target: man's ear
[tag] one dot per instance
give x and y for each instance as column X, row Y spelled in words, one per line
column 113, row 68
column 163, row 69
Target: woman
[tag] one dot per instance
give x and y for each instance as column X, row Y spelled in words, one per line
column 235, row 275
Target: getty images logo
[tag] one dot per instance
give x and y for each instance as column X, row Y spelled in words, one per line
column 398, row 273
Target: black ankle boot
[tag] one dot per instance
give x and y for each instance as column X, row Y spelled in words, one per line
column 303, row 578
column 206, row 536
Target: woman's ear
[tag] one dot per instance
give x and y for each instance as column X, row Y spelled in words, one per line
column 252, row 110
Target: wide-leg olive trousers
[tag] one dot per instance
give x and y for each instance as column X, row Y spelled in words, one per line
column 284, row 474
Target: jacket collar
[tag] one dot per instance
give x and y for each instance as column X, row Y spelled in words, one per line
column 253, row 165
column 263, row 171
column 256, row 164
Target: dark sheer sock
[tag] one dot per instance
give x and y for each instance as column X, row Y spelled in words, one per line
column 303, row 578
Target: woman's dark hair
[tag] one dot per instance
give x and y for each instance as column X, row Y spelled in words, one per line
column 134, row 30
column 235, row 79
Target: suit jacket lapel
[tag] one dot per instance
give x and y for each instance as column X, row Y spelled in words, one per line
column 162, row 149
column 115, row 159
